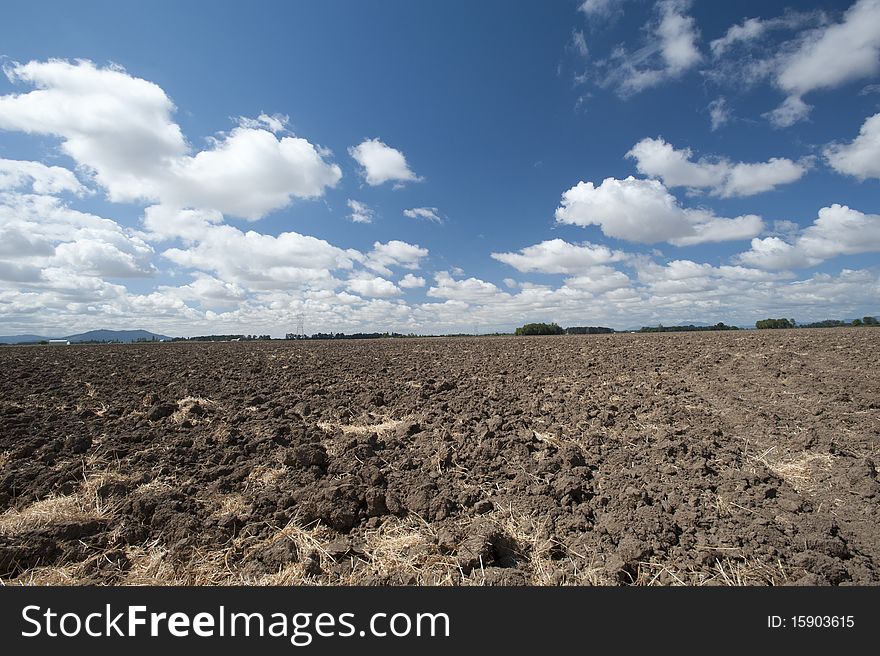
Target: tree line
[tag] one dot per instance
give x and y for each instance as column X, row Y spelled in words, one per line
column 688, row 328
column 556, row 329
column 771, row 324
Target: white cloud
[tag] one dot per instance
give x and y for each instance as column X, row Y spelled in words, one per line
column 275, row 123
column 792, row 110
column 119, row 128
column 785, row 229
column 678, row 35
column 838, row 230
column 39, row 178
column 753, row 29
column 382, row 163
column 59, row 266
column 599, row 7
column 676, row 271
column 599, row 280
column 670, row 52
column 709, row 228
column 861, row 157
column 409, row 281
column 719, row 113
column 839, row 53
column 248, row 173
column 394, row 253
column 644, row 211
column 558, row 256
column 470, row 290
column 165, row 223
column 42, row 234
column 775, row 253
column 373, row 287
column 579, row 43
column 829, row 57
column 260, row 261
column 658, row 159
column 427, row 213
column 100, row 258
column 749, row 30
column 208, row 290
column 360, row 212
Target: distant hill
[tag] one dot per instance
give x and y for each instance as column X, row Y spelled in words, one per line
column 125, row 336
column 21, row 339
column 115, row 336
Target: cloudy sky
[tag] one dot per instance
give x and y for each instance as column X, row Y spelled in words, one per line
column 436, row 167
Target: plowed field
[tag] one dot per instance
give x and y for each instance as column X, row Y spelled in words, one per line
column 725, row 458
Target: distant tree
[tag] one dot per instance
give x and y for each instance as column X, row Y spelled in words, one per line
column 857, row 322
column 825, row 323
column 539, row 329
column 870, row 321
column 774, row 323
column 588, row 330
column 689, row 328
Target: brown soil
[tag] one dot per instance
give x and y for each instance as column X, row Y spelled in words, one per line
column 724, row 458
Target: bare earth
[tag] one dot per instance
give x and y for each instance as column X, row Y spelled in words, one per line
column 725, row 458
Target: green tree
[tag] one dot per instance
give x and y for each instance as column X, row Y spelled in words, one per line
column 774, row 324
column 539, row 329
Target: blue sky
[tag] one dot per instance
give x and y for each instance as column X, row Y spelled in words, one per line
column 428, row 167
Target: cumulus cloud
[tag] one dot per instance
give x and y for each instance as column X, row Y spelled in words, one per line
column 394, row 253
column 838, row 230
column 248, row 173
column 670, row 52
column 559, row 256
column 119, row 128
column 208, row 291
column 469, row 290
column 677, row 271
column 164, row 223
column 861, row 157
column 678, row 35
column 599, row 280
column 426, row 213
column 381, row 163
column 38, row 178
column 662, row 293
column 373, row 287
column 644, row 211
column 360, row 212
column 409, row 281
column 60, row 267
column 260, row 261
column 42, row 235
column 829, row 57
column 676, row 168
column 839, row 53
